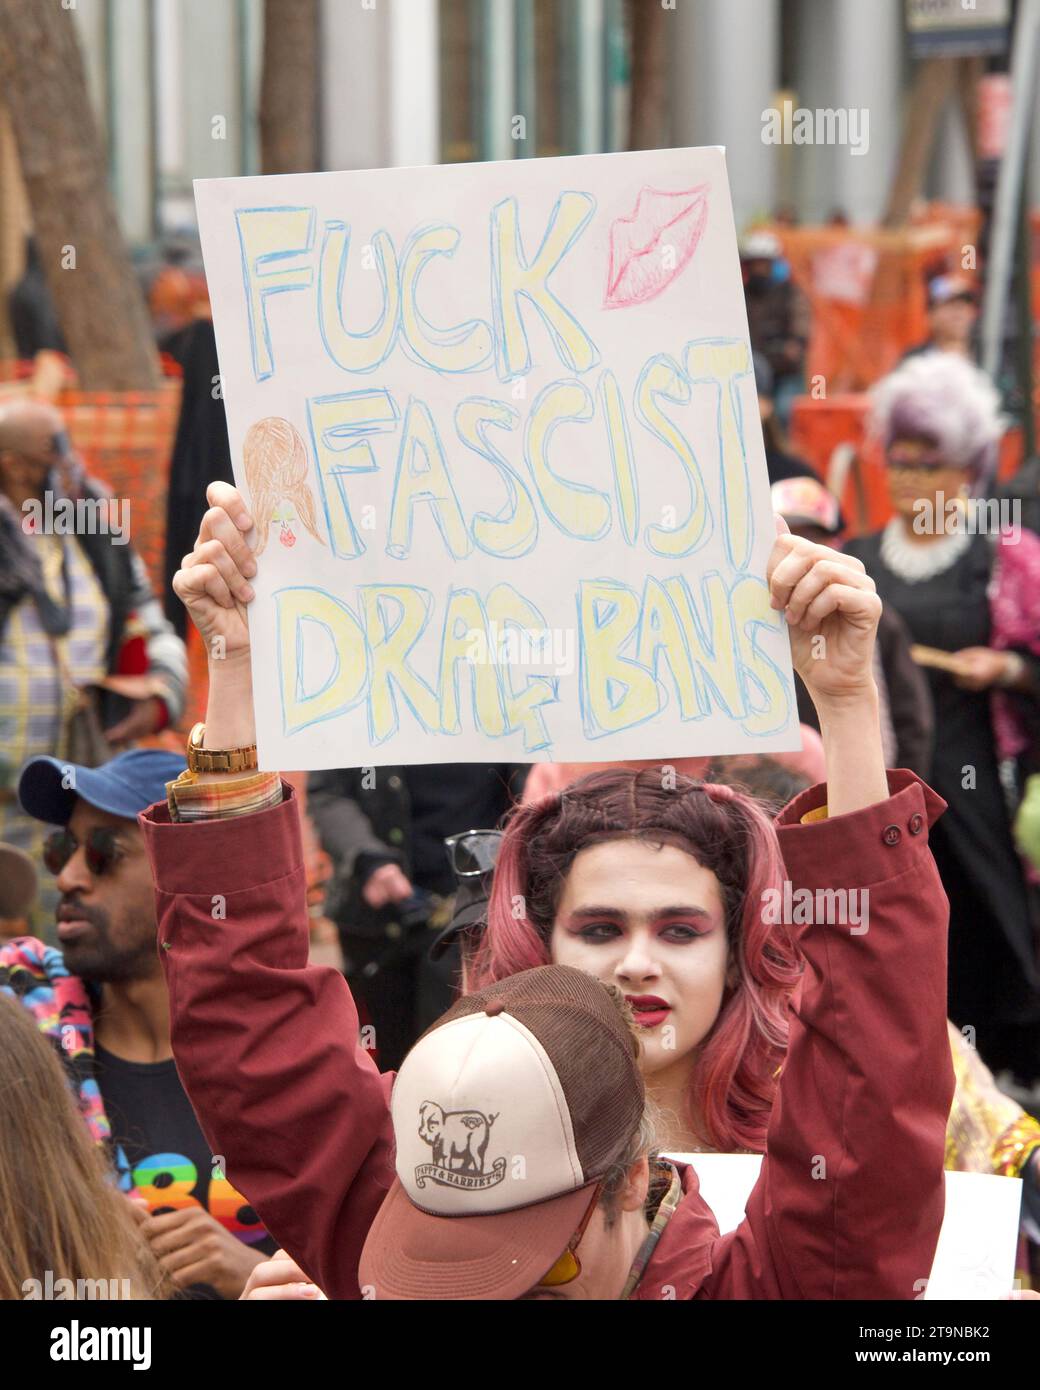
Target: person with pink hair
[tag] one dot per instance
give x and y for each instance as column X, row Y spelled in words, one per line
column 316, row 1133
column 655, row 883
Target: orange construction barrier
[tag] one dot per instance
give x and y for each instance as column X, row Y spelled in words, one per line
column 125, row 439
column 832, row 435
column 867, row 290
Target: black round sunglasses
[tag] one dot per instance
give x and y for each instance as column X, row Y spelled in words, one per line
column 101, row 849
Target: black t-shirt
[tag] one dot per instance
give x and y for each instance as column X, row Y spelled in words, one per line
column 172, row 1167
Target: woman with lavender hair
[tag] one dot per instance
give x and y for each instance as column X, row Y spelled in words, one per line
column 971, row 588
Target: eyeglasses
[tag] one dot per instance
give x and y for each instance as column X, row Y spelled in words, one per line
column 904, row 466
column 911, row 458
column 473, row 852
column 568, row 1266
column 101, row 849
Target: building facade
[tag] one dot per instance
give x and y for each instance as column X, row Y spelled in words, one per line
column 176, row 85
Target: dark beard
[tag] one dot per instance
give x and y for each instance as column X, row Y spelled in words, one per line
column 94, row 958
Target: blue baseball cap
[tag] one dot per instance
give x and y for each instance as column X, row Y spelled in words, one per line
column 124, row 786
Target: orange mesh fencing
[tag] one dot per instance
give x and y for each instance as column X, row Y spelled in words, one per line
column 125, row 439
column 867, row 290
column 832, row 436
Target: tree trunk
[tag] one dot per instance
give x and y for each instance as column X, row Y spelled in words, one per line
column 649, row 80
column 289, row 88
column 98, row 300
column 933, row 83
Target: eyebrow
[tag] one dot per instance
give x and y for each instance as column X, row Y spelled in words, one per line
column 681, row 910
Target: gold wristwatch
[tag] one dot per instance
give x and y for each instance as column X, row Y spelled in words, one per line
column 218, row 759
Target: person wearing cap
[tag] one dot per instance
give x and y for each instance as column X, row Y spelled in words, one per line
column 953, row 312
column 512, row 1151
column 198, row 1226
column 778, row 316
column 907, row 718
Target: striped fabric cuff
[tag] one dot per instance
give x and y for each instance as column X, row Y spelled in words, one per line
column 234, row 795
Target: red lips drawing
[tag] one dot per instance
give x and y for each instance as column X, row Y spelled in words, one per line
column 652, row 247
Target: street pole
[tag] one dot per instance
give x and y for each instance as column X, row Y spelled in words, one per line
column 1009, row 182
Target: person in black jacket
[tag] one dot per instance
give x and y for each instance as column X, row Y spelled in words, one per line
column 201, row 453
column 907, row 718
column 384, row 829
column 30, row 307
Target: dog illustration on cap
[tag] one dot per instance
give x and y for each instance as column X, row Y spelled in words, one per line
column 459, row 1138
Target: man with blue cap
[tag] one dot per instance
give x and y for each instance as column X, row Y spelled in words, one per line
column 201, row 1230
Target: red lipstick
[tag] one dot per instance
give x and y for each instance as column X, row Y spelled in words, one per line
column 648, row 1010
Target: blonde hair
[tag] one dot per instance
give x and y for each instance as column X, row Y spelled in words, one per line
column 276, row 466
column 60, row 1210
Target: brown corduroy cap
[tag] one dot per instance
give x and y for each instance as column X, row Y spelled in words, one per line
column 506, row 1114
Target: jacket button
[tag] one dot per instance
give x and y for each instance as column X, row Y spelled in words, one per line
column 395, row 781
column 916, row 823
column 891, row 835
column 396, row 836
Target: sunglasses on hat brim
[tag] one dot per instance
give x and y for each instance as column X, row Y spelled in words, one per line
column 473, row 852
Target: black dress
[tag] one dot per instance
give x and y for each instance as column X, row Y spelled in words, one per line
column 993, row 981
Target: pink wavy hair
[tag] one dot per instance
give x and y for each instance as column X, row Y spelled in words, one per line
column 726, row 831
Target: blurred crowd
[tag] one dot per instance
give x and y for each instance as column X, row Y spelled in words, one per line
column 94, row 677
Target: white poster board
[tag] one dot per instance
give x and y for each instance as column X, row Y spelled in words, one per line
column 498, row 426
column 975, row 1256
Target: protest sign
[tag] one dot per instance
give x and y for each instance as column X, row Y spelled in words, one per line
column 975, row 1253
column 498, row 428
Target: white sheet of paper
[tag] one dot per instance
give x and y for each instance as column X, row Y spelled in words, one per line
column 498, row 425
column 975, row 1255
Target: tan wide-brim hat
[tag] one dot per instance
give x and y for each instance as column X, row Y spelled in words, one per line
column 18, row 882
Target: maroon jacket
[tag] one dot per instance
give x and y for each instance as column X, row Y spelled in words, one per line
column 850, row 1198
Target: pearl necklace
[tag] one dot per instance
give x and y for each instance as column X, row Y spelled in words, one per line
column 917, row 562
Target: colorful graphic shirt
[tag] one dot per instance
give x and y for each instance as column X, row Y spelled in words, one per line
column 139, row 1111
column 165, row 1158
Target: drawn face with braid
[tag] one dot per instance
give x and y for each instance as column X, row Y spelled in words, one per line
column 275, row 462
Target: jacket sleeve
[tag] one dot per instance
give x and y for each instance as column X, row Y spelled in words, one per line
column 851, row 1195
column 266, row 1045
